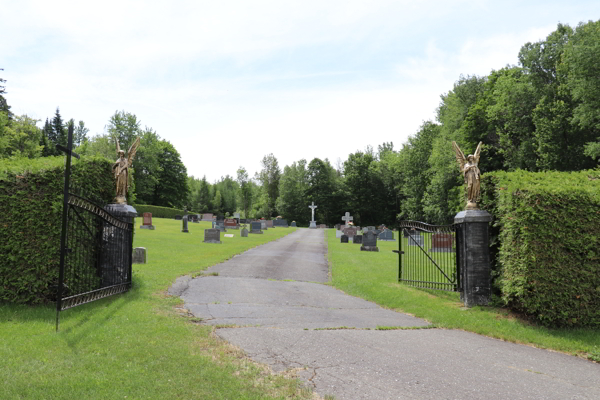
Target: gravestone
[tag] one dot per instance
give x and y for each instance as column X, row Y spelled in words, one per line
column 344, row 239
column 263, row 225
column 280, row 223
column 178, row 217
column 313, row 223
column 377, row 232
column 269, row 223
column 350, row 232
column 228, row 235
column 293, row 224
column 220, row 225
column 338, row 234
column 370, row 228
column 231, row 223
column 408, row 232
column 212, row 236
column 139, row 255
column 369, row 242
column 236, row 215
column 347, row 218
column 323, row 226
column 387, row 236
column 184, row 222
column 337, row 227
column 207, row 217
column 244, row 232
column 442, row 242
column 416, row 239
column 147, row 224
column 365, row 230
column 255, row 227
column 357, row 239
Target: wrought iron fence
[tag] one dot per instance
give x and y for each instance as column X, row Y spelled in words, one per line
column 428, row 256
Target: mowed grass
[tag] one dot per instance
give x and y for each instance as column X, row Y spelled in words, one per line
column 374, row 276
column 141, row 344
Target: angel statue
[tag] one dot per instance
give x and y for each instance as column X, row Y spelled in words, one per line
column 121, row 169
column 470, row 170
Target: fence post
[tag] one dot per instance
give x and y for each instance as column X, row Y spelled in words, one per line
column 474, row 256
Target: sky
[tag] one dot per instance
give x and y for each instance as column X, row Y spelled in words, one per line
column 229, row 82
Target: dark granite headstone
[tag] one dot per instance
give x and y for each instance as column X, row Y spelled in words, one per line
column 294, row 224
column 369, row 242
column 408, row 232
column 344, row 239
column 442, row 242
column 212, row 236
column 184, row 223
column 179, row 217
column 280, row 223
column 357, row 239
column 416, row 239
column 255, row 227
column 387, row 236
column 147, row 221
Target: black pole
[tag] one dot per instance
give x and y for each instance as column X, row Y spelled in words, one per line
column 63, row 236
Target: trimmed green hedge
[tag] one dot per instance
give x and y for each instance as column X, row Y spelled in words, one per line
column 31, row 197
column 548, row 243
column 158, row 212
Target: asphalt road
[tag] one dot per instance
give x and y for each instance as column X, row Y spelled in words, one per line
column 272, row 294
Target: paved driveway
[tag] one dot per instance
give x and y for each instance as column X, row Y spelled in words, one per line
column 273, row 293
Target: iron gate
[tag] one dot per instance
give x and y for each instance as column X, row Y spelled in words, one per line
column 97, row 263
column 427, row 255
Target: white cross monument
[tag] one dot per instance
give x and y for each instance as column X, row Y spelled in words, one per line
column 347, row 218
column 313, row 224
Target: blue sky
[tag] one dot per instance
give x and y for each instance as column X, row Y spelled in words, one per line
column 228, row 82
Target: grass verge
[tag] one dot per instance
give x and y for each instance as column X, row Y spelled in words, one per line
column 137, row 345
column 374, row 277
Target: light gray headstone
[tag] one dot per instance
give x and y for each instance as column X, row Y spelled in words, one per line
column 139, row 255
column 212, row 236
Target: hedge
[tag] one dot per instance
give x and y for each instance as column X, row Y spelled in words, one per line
column 31, row 197
column 548, row 243
column 158, row 212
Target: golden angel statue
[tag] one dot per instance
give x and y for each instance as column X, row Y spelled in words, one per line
column 470, row 170
column 121, row 170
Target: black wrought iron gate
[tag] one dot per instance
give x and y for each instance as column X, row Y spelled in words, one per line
column 428, row 257
column 95, row 252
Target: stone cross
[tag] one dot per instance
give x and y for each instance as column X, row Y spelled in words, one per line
column 347, row 218
column 312, row 207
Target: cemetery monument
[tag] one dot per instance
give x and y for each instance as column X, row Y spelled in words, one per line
column 313, row 223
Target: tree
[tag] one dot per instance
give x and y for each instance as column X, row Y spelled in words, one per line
column 3, row 104
column 80, row 132
column 269, row 177
column 59, row 133
column 147, row 166
column 172, row 189
column 365, row 188
column 245, row 190
column 125, row 127
column 49, row 149
column 19, row 137
column 581, row 65
column 292, row 202
column 322, row 188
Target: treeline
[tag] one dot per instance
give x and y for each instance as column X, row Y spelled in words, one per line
column 542, row 114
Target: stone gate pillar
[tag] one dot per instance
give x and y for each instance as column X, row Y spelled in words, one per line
column 474, row 256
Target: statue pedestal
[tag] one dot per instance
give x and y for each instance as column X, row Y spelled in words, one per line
column 313, row 225
column 474, row 256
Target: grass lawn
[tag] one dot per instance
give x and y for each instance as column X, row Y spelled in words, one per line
column 374, row 276
column 141, row 344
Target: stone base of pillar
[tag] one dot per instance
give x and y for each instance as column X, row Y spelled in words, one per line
column 474, row 256
column 313, row 225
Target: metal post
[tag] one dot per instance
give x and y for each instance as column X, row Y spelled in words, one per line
column 63, row 235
